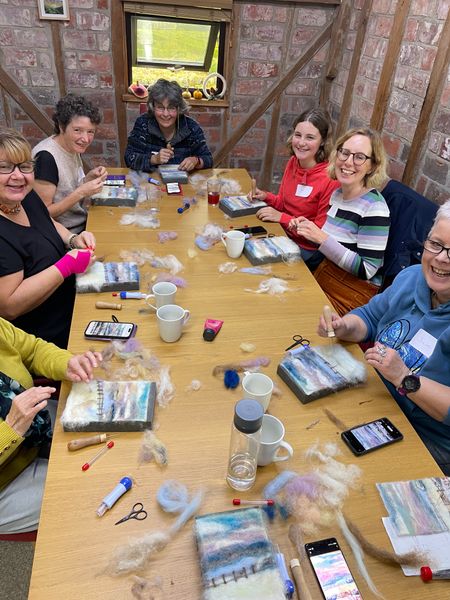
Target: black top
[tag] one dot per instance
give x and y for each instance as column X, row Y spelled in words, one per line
column 46, row 168
column 31, row 250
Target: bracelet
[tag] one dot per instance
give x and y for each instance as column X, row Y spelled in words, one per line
column 70, row 243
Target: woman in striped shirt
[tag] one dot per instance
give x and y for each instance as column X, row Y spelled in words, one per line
column 356, row 230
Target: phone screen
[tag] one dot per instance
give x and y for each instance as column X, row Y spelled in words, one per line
column 370, row 436
column 331, row 570
column 109, row 329
column 255, row 231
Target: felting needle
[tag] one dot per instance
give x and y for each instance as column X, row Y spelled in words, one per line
column 238, row 501
column 86, row 466
column 93, row 440
column 328, row 321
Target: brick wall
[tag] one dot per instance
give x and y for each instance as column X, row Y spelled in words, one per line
column 271, row 36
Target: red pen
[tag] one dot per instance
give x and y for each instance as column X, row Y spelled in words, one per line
column 86, row 465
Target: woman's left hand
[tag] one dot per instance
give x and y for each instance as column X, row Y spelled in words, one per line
column 189, row 163
column 387, row 362
column 308, row 230
column 79, row 367
column 269, row 214
column 95, row 173
column 85, row 239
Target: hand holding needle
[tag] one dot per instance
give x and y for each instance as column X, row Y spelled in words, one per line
column 328, row 320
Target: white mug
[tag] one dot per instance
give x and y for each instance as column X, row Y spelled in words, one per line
column 163, row 292
column 234, row 242
column 171, row 319
column 272, row 434
column 259, row 387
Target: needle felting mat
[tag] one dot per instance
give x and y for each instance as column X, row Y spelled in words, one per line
column 316, row 372
column 236, row 556
column 260, row 251
column 109, row 277
column 240, row 206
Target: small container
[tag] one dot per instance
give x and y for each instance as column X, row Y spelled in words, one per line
column 213, row 186
column 244, row 444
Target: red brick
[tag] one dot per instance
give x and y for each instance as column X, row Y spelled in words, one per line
column 31, row 38
column 417, row 82
column 247, row 151
column 421, row 185
column 95, row 62
column 10, row 16
column 412, row 27
column 6, row 37
column 395, row 170
column 274, row 52
column 77, row 79
column 264, row 70
column 444, row 151
column 253, row 50
column 31, row 130
column 106, row 132
column 301, row 87
column 406, row 128
column 253, row 12
column 411, row 55
column 246, row 31
column 311, row 70
column 436, row 193
column 374, row 47
column 314, row 17
column 391, row 145
column 106, row 81
column 19, row 58
column 443, row 8
column 20, row 76
column 445, row 98
column 104, row 42
column 242, row 68
column 425, row 8
column 429, row 32
column 82, row 3
column 381, row 6
column 442, row 121
column 250, row 87
column 208, row 119
column 269, row 33
column 81, row 40
column 93, row 20
column 380, row 26
column 102, row 4
column 303, row 35
column 435, row 142
column 280, row 15
column 42, row 78
column 429, row 54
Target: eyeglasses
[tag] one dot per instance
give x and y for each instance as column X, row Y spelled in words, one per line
column 172, row 110
column 26, row 167
column 359, row 158
column 435, row 247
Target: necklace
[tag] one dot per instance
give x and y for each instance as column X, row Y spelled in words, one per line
column 11, row 210
column 434, row 300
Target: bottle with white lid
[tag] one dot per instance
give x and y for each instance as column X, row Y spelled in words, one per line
column 244, row 444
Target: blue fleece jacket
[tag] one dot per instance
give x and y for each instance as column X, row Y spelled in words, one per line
column 146, row 137
column 393, row 318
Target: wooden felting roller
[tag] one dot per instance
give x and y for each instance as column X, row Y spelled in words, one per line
column 110, row 305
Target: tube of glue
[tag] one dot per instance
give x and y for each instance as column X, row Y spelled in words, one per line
column 108, row 501
column 128, row 295
column 211, row 329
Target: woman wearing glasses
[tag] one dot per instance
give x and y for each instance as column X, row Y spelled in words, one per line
column 37, row 287
column 165, row 134
column 353, row 239
column 59, row 177
column 410, row 325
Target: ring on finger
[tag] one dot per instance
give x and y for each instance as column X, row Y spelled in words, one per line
column 381, row 350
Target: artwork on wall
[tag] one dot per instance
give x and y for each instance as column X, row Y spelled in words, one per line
column 54, row 9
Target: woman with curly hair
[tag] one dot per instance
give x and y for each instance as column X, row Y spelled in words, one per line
column 59, row 176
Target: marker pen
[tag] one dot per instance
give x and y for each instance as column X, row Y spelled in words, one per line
column 108, row 501
column 129, row 295
column 154, row 181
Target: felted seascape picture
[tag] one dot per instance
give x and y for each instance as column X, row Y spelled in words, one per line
column 109, row 406
column 240, row 206
column 271, row 249
column 116, row 196
column 236, row 556
column 109, row 277
column 314, row 373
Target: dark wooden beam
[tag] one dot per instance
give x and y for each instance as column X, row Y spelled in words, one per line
column 340, row 24
column 120, row 72
column 353, row 71
column 429, row 106
column 390, row 65
column 27, row 104
column 58, row 56
column 273, row 94
column 6, row 108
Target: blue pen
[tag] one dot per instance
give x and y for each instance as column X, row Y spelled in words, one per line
column 128, row 295
column 289, row 588
column 108, row 501
column 154, row 181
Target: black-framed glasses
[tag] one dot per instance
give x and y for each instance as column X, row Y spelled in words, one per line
column 435, row 247
column 359, row 158
column 25, row 167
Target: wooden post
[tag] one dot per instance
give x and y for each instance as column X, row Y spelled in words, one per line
column 58, row 55
column 120, row 70
column 335, row 51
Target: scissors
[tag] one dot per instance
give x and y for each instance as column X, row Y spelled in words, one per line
column 137, row 512
column 298, row 339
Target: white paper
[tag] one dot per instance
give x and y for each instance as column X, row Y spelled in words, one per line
column 424, row 342
column 303, row 191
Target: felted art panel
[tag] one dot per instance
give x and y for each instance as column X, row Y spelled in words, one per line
column 240, row 206
column 109, row 277
column 271, row 249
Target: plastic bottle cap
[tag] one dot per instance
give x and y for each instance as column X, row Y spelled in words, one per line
column 209, row 335
column 248, row 415
column 426, row 573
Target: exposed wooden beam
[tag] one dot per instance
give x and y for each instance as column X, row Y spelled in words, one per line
column 273, row 93
column 120, row 72
column 335, row 51
column 429, row 106
column 27, row 104
column 6, row 108
column 389, row 65
column 58, row 56
column 353, row 71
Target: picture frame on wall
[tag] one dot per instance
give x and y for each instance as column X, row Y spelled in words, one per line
column 54, row 9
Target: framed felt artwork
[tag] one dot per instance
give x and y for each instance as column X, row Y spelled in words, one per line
column 54, row 9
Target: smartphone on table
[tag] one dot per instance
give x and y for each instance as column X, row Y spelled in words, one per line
column 331, row 570
column 255, row 231
column 109, row 330
column 371, row 436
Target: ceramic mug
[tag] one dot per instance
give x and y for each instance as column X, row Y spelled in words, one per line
column 259, row 387
column 171, row 319
column 272, row 434
column 163, row 292
column 234, row 242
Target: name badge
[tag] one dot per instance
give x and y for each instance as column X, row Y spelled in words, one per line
column 303, row 191
column 424, row 342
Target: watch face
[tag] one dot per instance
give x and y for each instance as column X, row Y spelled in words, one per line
column 411, row 383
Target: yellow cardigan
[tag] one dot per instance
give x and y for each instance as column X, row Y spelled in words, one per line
column 20, row 354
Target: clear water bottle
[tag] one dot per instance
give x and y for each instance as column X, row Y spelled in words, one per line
column 244, row 444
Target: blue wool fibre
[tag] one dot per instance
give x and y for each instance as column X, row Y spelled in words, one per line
column 231, row 379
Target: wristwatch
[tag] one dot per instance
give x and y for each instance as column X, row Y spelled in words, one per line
column 409, row 384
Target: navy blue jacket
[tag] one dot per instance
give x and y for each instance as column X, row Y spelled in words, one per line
column 146, row 137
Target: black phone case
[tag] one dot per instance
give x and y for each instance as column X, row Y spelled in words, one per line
column 109, row 337
column 365, row 451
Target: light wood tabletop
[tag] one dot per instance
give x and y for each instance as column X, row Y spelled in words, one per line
column 74, row 544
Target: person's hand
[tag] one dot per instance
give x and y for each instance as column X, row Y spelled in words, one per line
column 308, row 230
column 188, row 164
column 260, row 195
column 95, row 173
column 91, row 186
column 79, row 367
column 25, row 406
column 85, row 239
column 269, row 214
column 337, row 322
column 163, row 156
column 387, row 362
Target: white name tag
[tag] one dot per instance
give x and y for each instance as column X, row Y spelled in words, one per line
column 424, row 342
column 303, row 191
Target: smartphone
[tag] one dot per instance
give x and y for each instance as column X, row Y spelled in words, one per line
column 331, row 570
column 109, row 330
column 370, row 436
column 255, row 231
column 173, row 188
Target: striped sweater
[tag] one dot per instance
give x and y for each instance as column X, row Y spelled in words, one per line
column 358, row 231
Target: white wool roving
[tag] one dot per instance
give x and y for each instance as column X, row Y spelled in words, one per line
column 272, row 286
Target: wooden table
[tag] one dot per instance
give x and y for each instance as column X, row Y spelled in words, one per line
column 73, row 544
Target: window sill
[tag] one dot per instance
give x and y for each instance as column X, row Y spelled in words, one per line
column 192, row 102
